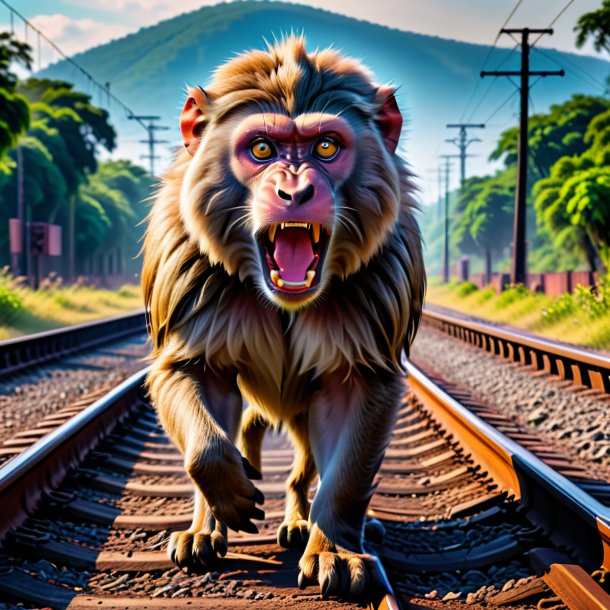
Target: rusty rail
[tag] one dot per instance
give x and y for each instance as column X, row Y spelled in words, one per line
column 33, row 350
column 581, row 367
column 569, row 517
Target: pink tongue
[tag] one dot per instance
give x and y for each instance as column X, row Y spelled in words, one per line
column 293, row 253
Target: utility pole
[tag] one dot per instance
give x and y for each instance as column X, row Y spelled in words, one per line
column 446, row 218
column 439, row 172
column 151, row 141
column 518, row 275
column 462, row 142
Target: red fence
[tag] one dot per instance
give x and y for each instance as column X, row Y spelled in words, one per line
column 552, row 284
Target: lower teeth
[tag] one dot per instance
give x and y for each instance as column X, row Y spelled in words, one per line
column 282, row 283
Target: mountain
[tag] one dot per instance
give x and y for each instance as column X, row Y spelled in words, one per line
column 148, row 71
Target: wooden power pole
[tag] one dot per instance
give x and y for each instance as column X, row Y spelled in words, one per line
column 519, row 268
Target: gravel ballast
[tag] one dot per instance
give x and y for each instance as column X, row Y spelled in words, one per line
column 28, row 397
column 577, row 424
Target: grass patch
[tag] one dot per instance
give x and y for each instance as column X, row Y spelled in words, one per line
column 24, row 311
column 582, row 317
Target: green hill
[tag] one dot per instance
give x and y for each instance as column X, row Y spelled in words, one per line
column 148, row 70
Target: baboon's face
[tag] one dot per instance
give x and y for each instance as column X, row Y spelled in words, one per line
column 294, row 171
column 290, row 202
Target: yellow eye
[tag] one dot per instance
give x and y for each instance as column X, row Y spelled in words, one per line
column 262, row 150
column 326, row 148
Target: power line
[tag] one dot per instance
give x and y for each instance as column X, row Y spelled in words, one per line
column 561, row 12
column 87, row 74
column 151, row 141
column 492, row 83
column 447, row 159
column 508, row 99
column 593, row 80
column 462, row 142
column 491, row 50
column 500, row 32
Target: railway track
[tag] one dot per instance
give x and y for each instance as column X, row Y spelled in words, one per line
column 475, row 512
column 585, row 369
column 49, row 377
column 22, row 353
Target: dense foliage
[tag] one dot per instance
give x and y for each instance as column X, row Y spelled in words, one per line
column 58, row 143
column 568, row 194
column 14, row 109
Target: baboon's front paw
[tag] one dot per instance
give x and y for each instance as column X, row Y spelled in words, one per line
column 293, row 534
column 197, row 551
column 230, row 494
column 349, row 575
column 235, row 505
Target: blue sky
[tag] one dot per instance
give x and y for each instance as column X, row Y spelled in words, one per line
column 78, row 24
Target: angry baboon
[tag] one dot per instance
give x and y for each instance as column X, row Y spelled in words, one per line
column 283, row 266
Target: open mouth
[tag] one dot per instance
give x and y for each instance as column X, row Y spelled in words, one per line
column 293, row 253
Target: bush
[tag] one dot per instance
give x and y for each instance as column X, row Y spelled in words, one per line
column 563, row 306
column 466, row 288
column 592, row 303
column 595, row 304
column 486, row 294
column 68, row 299
column 511, row 295
column 11, row 304
column 128, row 290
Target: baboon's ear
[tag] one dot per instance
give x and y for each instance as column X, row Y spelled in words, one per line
column 193, row 118
column 388, row 117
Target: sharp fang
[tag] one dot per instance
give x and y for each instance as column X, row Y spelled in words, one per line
column 282, row 225
column 315, row 229
column 310, row 275
column 272, row 230
column 276, row 279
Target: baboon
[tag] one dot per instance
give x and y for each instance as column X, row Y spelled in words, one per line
column 283, row 267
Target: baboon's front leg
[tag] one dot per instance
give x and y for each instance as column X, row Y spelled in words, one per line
column 201, row 412
column 350, row 425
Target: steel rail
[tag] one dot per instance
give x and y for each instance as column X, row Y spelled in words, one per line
column 569, row 517
column 581, row 367
column 32, row 350
column 42, row 466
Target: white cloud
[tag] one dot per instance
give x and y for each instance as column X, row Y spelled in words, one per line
column 146, row 12
column 74, row 35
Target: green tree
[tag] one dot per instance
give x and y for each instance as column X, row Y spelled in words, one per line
column 61, row 112
column 574, row 201
column 558, row 133
column 14, row 109
column 484, row 224
column 112, row 201
column 595, row 25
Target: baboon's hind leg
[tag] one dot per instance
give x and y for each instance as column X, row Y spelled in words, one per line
column 293, row 532
column 253, row 427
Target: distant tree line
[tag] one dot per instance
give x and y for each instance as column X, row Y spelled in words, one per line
column 56, row 133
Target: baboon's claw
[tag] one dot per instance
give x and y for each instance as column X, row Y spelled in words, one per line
column 251, row 472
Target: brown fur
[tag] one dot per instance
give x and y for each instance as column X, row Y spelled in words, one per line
column 217, row 338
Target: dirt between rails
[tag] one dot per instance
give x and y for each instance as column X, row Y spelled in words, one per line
column 573, row 420
column 30, row 396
